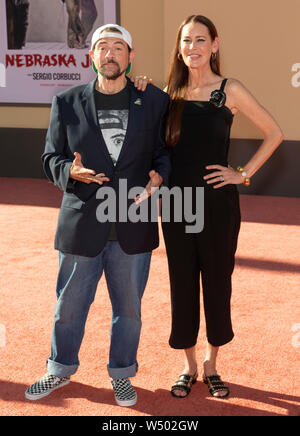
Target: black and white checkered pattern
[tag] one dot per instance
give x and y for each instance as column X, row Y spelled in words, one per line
column 125, row 394
column 45, row 386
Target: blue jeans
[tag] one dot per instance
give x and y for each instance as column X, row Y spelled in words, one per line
column 126, row 276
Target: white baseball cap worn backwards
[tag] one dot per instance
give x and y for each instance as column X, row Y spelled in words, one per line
column 124, row 34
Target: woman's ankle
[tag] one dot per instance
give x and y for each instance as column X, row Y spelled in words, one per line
column 190, row 369
column 209, row 368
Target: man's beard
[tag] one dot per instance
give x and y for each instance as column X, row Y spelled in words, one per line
column 111, row 75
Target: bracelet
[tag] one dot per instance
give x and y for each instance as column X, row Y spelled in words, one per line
column 246, row 181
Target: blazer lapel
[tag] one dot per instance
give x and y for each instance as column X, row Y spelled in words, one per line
column 134, row 119
column 89, row 108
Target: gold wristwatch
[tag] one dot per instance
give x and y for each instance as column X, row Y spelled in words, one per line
column 246, row 181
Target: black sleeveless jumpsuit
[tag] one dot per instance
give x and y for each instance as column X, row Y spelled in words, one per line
column 204, row 140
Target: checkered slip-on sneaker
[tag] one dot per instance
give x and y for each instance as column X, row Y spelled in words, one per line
column 125, row 394
column 45, row 386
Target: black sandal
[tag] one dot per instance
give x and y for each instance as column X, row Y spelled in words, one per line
column 215, row 384
column 184, row 384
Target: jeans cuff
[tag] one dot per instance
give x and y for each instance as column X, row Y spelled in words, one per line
column 130, row 371
column 60, row 370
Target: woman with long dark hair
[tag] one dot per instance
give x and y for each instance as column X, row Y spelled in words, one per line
column 203, row 104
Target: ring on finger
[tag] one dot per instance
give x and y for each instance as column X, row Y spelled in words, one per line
column 222, row 179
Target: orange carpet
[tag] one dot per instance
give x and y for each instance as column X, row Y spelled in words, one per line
column 261, row 364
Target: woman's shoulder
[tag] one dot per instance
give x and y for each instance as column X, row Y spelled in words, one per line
column 234, row 86
column 237, row 94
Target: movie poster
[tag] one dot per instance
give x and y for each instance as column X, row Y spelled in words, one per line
column 45, row 45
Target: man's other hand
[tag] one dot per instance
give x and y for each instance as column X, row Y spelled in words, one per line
column 85, row 175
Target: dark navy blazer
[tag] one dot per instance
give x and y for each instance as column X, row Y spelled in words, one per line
column 73, row 128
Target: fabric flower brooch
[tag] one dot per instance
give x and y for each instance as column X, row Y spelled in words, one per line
column 218, row 98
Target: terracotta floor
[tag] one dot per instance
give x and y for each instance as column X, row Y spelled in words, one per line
column 261, row 364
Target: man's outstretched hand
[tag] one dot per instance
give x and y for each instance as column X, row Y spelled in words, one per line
column 153, row 184
column 85, row 175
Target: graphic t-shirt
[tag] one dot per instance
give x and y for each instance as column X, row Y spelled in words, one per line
column 112, row 112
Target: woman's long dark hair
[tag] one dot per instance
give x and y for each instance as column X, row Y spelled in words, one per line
column 178, row 79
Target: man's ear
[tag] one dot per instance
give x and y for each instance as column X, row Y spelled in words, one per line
column 131, row 56
column 91, row 53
